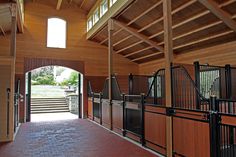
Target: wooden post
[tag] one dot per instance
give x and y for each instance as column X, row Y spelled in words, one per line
column 168, row 50
column 110, row 64
column 13, row 31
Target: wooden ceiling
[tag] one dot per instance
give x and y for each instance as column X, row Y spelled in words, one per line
column 197, row 24
column 5, row 19
column 5, row 9
column 85, row 5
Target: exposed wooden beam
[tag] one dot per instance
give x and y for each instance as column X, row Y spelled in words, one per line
column 168, row 51
column 204, row 39
column 110, row 65
column 138, row 35
column 194, row 17
column 198, row 30
column 227, row 3
column 59, row 2
column 20, row 22
column 173, row 12
column 218, row 12
column 127, row 47
column 146, row 56
column 81, row 5
column 103, row 41
column 122, row 40
column 145, row 12
column 136, row 52
column 2, row 30
column 13, row 30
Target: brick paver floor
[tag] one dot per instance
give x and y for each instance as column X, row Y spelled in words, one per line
column 69, row 138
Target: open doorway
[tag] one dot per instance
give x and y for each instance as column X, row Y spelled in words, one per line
column 53, row 93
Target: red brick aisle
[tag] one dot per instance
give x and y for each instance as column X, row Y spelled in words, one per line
column 71, row 138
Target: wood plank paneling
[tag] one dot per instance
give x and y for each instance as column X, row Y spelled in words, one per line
column 191, row 138
column 155, row 128
column 217, row 55
column 90, row 108
column 32, row 43
column 117, row 116
column 106, row 113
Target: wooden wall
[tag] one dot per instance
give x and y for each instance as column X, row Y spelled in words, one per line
column 33, row 42
column 217, row 55
column 6, row 103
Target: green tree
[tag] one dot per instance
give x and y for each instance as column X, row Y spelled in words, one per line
column 43, row 76
column 73, row 79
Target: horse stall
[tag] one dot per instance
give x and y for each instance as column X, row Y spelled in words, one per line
column 203, row 123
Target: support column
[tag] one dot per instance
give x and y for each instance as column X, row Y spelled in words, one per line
column 168, row 50
column 110, row 65
column 13, row 30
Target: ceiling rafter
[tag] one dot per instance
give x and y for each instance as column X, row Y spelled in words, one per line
column 138, row 51
column 138, row 35
column 103, row 41
column 161, row 18
column 145, row 12
column 158, row 20
column 226, row 3
column 122, row 40
column 194, row 17
column 59, row 2
column 204, row 39
column 81, row 5
column 181, row 23
column 218, row 12
column 198, row 30
column 146, row 56
column 127, row 47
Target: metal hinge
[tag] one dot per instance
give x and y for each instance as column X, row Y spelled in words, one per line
column 170, row 111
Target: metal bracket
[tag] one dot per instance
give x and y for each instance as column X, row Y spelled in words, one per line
column 170, row 111
column 13, row 9
column 219, row 119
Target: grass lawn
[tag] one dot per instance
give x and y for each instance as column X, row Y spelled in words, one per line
column 47, row 91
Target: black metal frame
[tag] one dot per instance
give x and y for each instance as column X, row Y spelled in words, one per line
column 79, row 96
column 16, row 104
column 28, row 98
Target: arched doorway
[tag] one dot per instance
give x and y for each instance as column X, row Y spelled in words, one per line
column 34, row 63
column 53, row 93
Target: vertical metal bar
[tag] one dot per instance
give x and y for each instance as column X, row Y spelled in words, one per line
column 214, row 128
column 28, row 117
column 79, row 96
column 124, row 116
column 197, row 82
column 155, row 89
column 93, row 104
column 100, row 107
column 131, row 81
column 142, row 120
column 8, row 109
